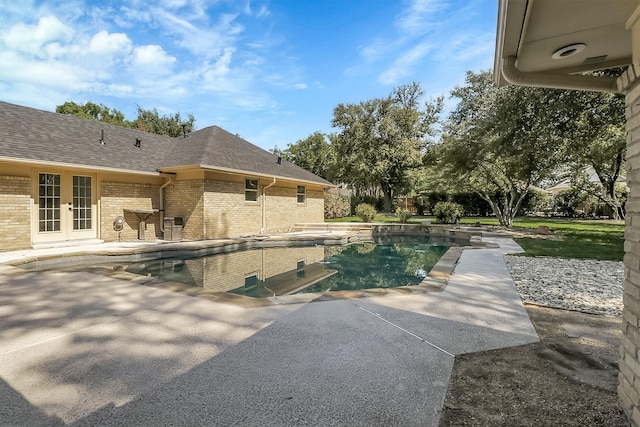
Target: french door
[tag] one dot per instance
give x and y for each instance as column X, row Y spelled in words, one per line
column 65, row 207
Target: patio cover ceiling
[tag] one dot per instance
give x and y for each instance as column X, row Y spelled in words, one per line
column 550, row 42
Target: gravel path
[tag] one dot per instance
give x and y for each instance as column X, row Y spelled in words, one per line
column 588, row 286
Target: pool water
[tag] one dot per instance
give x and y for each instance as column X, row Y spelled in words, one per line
column 277, row 271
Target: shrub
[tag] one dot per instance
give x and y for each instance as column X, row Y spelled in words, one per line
column 448, row 212
column 376, row 202
column 403, row 214
column 336, row 205
column 366, row 212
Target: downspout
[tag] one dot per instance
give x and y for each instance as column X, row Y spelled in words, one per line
column 264, row 205
column 557, row 81
column 169, row 181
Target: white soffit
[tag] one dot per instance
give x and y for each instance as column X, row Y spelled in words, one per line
column 533, row 30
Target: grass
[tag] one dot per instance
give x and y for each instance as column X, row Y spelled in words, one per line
column 586, row 239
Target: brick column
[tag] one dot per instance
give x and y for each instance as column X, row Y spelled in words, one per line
column 629, row 363
column 629, row 377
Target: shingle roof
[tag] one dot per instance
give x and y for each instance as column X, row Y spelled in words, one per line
column 40, row 136
column 215, row 148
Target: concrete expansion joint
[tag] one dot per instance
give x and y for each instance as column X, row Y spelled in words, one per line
column 379, row 316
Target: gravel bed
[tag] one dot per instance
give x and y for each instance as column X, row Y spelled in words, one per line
column 589, row 286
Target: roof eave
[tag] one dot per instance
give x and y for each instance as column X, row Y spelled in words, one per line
column 248, row 173
column 75, row 166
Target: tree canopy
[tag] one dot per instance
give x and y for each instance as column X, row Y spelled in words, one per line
column 382, row 139
column 314, row 153
column 147, row 120
column 499, row 142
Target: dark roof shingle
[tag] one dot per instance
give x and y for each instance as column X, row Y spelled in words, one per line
column 40, row 136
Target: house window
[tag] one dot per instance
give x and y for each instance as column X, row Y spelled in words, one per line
column 49, row 202
column 82, row 203
column 251, row 190
column 302, row 195
column 300, row 268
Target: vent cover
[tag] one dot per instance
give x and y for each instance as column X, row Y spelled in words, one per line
column 593, row 59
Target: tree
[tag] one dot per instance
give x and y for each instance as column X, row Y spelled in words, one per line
column 93, row 111
column 382, row 139
column 170, row 125
column 147, row 120
column 313, row 153
column 598, row 141
column 499, row 142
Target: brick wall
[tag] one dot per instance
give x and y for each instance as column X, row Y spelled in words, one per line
column 282, row 208
column 214, row 209
column 117, row 196
column 629, row 364
column 185, row 199
column 226, row 212
column 15, row 212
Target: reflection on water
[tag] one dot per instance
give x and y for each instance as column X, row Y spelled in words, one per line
column 380, row 263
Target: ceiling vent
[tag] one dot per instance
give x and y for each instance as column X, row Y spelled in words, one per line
column 594, row 59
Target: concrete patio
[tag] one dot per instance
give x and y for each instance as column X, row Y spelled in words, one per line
column 81, row 349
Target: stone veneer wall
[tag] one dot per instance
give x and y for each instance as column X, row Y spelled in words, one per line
column 15, row 212
column 117, row 196
column 629, row 364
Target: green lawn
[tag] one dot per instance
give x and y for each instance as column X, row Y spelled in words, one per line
column 593, row 239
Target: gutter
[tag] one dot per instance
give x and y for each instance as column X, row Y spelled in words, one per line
column 264, row 205
column 557, row 81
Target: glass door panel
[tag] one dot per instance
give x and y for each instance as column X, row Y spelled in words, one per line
column 49, row 203
column 82, row 203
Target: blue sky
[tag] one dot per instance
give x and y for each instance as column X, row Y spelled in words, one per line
column 270, row 71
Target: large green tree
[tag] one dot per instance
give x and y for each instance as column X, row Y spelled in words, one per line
column 382, row 139
column 598, row 142
column 314, row 153
column 94, row 111
column 499, row 142
column 170, row 125
column 147, row 120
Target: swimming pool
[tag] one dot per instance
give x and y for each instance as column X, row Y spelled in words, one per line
column 382, row 262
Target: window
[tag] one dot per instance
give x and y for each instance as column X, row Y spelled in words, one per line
column 251, row 190
column 251, row 281
column 300, row 266
column 81, row 203
column 49, row 202
column 302, row 195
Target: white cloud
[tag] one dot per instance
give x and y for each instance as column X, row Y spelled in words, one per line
column 104, row 43
column 419, row 17
column 404, row 65
column 31, row 38
column 152, row 56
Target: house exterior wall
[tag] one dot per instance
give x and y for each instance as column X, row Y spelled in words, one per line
column 15, row 212
column 185, row 199
column 283, row 210
column 226, row 212
column 629, row 364
column 115, row 197
column 211, row 205
column 214, row 207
